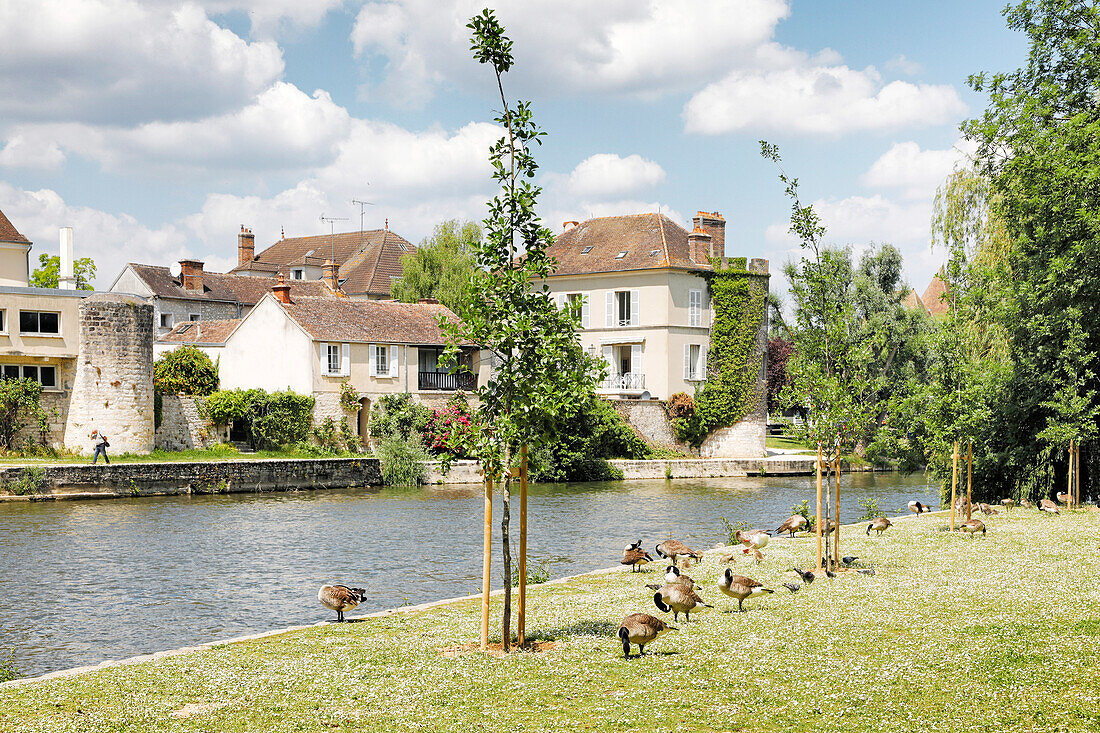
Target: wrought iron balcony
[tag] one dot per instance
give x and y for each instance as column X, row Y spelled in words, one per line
column 447, row 382
column 631, row 381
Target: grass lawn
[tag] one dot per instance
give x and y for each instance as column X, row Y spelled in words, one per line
column 995, row 633
column 161, row 456
column 778, row 441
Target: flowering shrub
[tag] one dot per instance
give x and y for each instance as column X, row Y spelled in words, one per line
column 446, row 431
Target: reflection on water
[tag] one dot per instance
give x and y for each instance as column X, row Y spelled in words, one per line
column 85, row 581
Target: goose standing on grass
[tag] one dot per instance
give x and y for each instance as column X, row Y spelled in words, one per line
column 740, row 587
column 340, row 598
column 879, row 524
column 1047, row 505
column 1025, row 504
column 634, row 556
column 796, row 523
column 918, row 508
column 674, row 575
column 678, row 598
column 1062, row 497
column 972, row 526
column 640, row 629
column 1008, row 503
column 986, row 509
column 675, row 549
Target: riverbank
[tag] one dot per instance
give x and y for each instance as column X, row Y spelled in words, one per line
column 951, row 633
column 36, row 482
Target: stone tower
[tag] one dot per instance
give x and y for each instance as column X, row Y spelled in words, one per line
column 113, row 389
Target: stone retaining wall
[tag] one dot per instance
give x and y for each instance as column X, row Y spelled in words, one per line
column 181, row 426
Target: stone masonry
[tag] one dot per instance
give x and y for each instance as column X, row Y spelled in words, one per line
column 113, row 388
column 650, row 419
column 182, row 427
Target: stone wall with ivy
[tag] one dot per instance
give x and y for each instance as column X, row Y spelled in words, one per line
column 181, row 426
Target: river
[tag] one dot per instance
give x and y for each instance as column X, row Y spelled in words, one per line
column 86, row 581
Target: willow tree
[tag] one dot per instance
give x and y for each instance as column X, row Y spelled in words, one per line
column 539, row 370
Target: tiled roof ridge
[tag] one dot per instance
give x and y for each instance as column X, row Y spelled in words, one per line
column 664, row 241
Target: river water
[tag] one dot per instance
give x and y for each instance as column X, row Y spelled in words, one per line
column 86, row 581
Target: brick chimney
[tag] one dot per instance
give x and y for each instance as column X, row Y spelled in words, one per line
column 700, row 245
column 330, row 277
column 281, row 290
column 713, row 224
column 191, row 274
column 246, row 246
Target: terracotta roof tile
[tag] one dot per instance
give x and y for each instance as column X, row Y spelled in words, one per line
column 934, row 295
column 243, row 289
column 913, row 302
column 201, row 332
column 8, row 232
column 369, row 321
column 618, row 243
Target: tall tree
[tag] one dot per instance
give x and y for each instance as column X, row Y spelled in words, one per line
column 48, row 273
column 540, row 371
column 441, row 266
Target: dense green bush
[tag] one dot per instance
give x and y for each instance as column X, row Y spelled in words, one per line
column 334, row 438
column 20, row 406
column 596, row 432
column 402, row 460
column 398, row 415
column 187, row 371
column 280, row 418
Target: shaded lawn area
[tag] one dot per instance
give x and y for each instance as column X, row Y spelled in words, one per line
column 778, row 441
column 162, row 456
column 999, row 633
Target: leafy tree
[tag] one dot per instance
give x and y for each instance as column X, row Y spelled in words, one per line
column 441, row 266
column 185, row 370
column 541, row 373
column 596, row 432
column 279, row 418
column 20, row 406
column 779, row 353
column 398, row 415
column 48, row 273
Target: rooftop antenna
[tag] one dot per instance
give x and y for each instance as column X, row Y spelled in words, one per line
column 332, row 233
column 362, row 210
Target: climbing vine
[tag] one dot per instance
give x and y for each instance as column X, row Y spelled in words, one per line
column 733, row 361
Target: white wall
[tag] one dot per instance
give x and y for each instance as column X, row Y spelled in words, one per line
column 268, row 350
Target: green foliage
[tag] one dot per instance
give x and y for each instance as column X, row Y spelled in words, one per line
column 733, row 361
column 803, row 510
column 187, row 371
column 8, row 669
column 732, row 528
column 537, row 572
column 349, row 398
column 441, row 267
column 402, row 460
column 227, row 406
column 20, row 406
column 596, row 431
column 31, row 480
column 279, row 418
column 870, row 509
column 48, row 273
column 398, row 415
column 336, row 438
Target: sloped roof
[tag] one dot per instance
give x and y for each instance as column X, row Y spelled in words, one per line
column 201, row 332
column 369, row 321
column 367, row 259
column 649, row 241
column 933, row 297
column 243, row 289
column 8, row 232
column 913, row 302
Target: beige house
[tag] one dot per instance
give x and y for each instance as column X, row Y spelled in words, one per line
column 645, row 304
column 313, row 345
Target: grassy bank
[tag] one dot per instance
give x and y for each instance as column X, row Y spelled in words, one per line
column 216, row 453
column 999, row 633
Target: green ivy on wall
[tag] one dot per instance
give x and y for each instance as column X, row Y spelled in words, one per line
column 734, row 361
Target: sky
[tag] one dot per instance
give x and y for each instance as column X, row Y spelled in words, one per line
column 157, row 129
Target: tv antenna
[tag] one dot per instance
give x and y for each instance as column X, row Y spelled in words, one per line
column 362, row 210
column 331, row 220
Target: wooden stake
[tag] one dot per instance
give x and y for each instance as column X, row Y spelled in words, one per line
column 969, row 475
column 954, row 480
column 521, row 615
column 486, row 563
column 1077, row 475
column 836, row 513
column 1069, row 478
column 819, row 520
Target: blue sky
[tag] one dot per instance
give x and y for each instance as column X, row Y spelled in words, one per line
column 156, row 129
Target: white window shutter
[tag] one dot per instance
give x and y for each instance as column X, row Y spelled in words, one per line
column 393, row 361
column 610, row 321
column 687, row 361
column 586, row 316
column 607, row 357
column 324, row 357
column 560, row 298
column 635, row 307
column 372, row 365
column 702, row 362
column 636, row 358
column 345, row 360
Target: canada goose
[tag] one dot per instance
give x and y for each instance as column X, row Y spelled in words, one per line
column 674, row 575
column 1024, row 503
column 917, row 508
column 1047, row 505
column 972, row 526
column 792, row 587
column 1008, row 503
column 740, row 587
column 796, row 523
column 640, row 629
column 675, row 549
column 678, row 598
column 634, row 556
column 1062, row 497
column 848, row 559
column 879, row 524
column 340, row 598
column 986, row 509
column 754, row 541
column 806, row 575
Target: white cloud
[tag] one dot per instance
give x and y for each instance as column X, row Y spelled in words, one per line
column 917, row 173
column 606, row 175
column 563, row 46
column 121, row 62
column 903, row 65
column 817, row 99
column 275, row 17
column 31, row 151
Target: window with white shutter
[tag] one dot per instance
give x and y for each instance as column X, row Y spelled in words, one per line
column 695, row 307
column 393, row 361
column 330, row 359
column 345, row 360
column 687, row 361
column 380, row 360
column 609, row 320
column 586, row 316
column 635, row 307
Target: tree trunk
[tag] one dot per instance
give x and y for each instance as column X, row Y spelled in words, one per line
column 506, row 624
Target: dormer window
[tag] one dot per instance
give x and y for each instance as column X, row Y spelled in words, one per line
column 586, row 250
column 653, row 252
column 621, row 255
column 298, row 273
